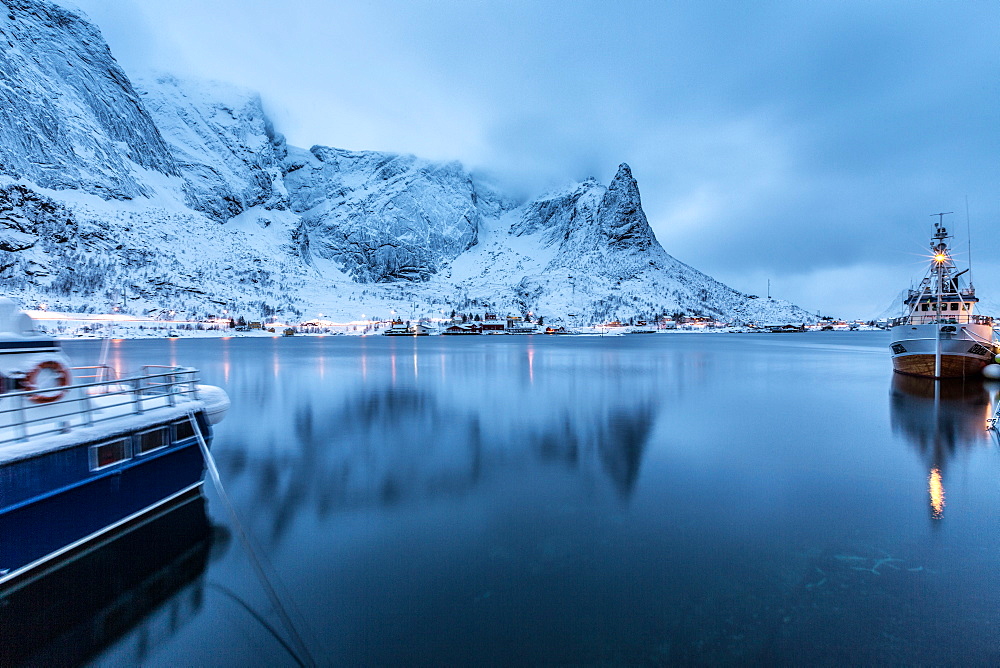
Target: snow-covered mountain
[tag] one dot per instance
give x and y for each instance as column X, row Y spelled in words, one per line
column 163, row 194
column 384, row 217
column 221, row 143
column 69, row 117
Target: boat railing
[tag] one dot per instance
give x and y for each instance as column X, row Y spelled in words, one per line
column 33, row 413
column 942, row 319
column 98, row 373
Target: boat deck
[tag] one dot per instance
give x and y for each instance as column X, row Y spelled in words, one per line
column 94, row 410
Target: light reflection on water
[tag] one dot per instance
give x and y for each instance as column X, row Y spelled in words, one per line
column 642, row 500
column 942, row 420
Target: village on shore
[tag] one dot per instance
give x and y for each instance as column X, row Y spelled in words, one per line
column 117, row 325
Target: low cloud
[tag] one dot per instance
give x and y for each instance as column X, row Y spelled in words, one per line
column 788, row 139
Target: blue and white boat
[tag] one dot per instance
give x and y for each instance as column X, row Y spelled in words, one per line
column 84, row 454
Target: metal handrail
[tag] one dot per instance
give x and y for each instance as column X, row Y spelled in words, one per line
column 77, row 408
column 101, row 373
column 942, row 318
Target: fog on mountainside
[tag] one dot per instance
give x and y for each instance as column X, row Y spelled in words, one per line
column 165, row 194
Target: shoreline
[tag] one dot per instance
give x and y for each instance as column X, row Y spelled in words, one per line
column 587, row 332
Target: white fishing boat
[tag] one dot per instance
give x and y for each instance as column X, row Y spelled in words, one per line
column 940, row 335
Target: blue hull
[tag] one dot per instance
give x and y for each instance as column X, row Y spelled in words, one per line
column 54, row 503
column 73, row 613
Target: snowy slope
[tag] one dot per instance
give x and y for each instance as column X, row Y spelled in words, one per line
column 589, row 250
column 384, row 217
column 221, row 142
column 181, row 196
column 69, row 117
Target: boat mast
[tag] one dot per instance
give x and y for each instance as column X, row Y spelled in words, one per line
column 940, row 270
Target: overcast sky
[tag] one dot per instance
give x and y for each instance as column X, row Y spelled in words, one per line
column 802, row 142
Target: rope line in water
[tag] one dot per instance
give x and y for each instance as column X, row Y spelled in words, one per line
column 256, row 615
column 306, row 658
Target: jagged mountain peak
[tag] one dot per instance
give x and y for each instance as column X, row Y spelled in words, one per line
column 622, row 218
column 591, row 217
column 304, row 229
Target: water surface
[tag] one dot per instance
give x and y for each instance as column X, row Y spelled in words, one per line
column 582, row 500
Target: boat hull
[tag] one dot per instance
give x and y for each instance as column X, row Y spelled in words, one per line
column 131, row 584
column 54, row 503
column 965, row 349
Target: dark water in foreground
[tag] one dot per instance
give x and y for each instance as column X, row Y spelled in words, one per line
column 543, row 500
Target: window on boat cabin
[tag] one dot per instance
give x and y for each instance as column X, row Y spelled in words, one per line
column 954, row 306
column 924, row 307
column 107, row 454
column 183, row 430
column 154, row 439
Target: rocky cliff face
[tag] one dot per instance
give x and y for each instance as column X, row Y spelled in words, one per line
column 69, row 117
column 221, row 142
column 623, row 223
column 591, row 217
column 384, row 217
column 181, row 196
column 589, row 250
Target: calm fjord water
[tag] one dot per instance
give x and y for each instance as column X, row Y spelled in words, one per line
column 577, row 500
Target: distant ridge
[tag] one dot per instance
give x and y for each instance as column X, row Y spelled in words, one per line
column 165, row 194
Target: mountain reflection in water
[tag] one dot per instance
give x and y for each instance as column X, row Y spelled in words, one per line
column 656, row 500
column 374, row 444
column 940, row 419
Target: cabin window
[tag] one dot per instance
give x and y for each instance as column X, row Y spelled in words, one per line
column 965, row 306
column 108, row 454
column 154, row 439
column 924, row 307
column 183, row 430
column 954, row 306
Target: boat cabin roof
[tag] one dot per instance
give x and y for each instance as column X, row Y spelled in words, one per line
column 944, row 298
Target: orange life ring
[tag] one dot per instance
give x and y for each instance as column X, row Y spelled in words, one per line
column 62, row 380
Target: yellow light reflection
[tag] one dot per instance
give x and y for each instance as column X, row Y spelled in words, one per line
column 936, row 489
column 940, row 257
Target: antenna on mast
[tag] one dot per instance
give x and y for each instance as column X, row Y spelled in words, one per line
column 940, row 223
column 968, row 233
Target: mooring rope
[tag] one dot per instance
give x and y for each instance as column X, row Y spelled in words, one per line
column 306, row 658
